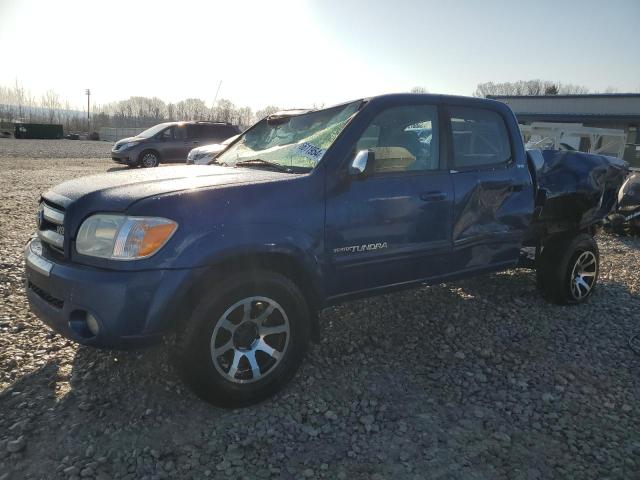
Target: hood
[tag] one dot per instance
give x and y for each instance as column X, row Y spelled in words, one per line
column 118, row 190
column 128, row 139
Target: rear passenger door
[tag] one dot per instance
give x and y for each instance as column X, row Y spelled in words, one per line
column 492, row 187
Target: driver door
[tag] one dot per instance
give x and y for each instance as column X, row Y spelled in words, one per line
column 174, row 143
column 394, row 225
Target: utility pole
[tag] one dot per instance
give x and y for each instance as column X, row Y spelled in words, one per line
column 87, row 92
column 215, row 99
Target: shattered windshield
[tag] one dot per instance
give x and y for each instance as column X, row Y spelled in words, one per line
column 295, row 142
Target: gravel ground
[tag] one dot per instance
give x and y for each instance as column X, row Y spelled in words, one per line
column 478, row 379
column 17, row 149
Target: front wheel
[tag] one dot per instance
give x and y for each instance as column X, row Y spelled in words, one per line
column 567, row 269
column 246, row 341
column 149, row 159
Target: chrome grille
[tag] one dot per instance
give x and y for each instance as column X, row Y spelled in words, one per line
column 51, row 226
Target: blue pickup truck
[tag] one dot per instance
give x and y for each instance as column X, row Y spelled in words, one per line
column 303, row 210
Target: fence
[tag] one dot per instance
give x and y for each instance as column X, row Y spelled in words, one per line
column 111, row 134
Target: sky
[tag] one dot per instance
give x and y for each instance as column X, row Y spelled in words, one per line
column 302, row 53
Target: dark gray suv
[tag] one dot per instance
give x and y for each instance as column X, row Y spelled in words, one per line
column 169, row 142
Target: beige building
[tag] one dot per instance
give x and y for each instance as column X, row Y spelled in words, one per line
column 610, row 110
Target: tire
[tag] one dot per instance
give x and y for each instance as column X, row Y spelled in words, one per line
column 149, row 159
column 567, row 269
column 250, row 365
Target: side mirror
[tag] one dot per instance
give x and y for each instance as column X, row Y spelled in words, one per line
column 362, row 164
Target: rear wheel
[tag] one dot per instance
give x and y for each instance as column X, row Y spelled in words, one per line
column 567, row 269
column 149, row 159
column 245, row 342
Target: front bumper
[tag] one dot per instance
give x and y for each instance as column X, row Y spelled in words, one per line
column 125, row 157
column 131, row 308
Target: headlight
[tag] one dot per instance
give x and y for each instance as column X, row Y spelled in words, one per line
column 120, row 237
column 127, row 145
column 203, row 158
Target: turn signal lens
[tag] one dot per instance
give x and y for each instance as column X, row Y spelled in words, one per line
column 155, row 237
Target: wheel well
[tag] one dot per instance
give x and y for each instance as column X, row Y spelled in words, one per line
column 280, row 263
column 277, row 262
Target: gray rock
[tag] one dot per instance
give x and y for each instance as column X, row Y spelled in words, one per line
column 71, row 471
column 17, row 445
column 367, row 419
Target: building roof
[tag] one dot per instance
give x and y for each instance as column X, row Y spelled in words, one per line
column 578, row 95
column 576, row 118
column 609, row 106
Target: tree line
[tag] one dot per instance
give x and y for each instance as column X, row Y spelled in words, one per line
column 17, row 104
column 533, row 88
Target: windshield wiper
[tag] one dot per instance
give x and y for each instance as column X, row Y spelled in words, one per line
column 258, row 162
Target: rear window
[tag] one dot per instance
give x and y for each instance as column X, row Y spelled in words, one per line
column 480, row 138
column 216, row 133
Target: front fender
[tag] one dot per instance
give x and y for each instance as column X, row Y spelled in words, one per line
column 302, row 265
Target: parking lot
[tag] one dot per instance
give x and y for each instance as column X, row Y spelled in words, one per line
column 477, row 379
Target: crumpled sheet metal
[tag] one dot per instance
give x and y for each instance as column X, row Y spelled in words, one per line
column 581, row 188
column 629, row 195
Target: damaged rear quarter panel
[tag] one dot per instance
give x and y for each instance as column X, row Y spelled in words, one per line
column 580, row 189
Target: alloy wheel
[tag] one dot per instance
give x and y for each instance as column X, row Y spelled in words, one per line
column 583, row 275
column 149, row 160
column 250, row 339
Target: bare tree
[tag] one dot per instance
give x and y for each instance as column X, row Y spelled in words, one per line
column 18, row 103
column 528, row 87
column 265, row 112
column 570, row 89
column 51, row 103
column 224, row 111
column 19, row 96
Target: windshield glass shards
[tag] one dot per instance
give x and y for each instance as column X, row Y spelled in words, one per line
column 297, row 141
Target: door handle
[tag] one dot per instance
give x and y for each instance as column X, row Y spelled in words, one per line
column 433, row 196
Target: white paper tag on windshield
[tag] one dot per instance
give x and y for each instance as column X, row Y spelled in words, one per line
column 310, row 150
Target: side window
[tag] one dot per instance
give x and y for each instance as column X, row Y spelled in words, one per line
column 403, row 139
column 209, row 132
column 218, row 133
column 230, row 131
column 480, row 138
column 180, row 132
column 167, row 134
column 196, row 132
